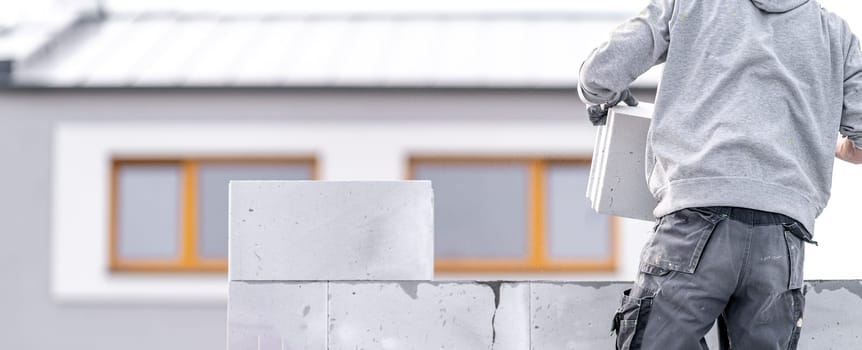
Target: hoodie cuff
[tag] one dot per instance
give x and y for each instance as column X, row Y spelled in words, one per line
column 591, row 98
column 587, row 97
column 583, row 95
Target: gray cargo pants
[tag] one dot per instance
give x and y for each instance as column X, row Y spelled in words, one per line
column 700, row 264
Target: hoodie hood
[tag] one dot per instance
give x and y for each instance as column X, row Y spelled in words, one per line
column 778, row 6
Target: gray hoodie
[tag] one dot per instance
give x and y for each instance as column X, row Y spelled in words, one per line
column 750, row 105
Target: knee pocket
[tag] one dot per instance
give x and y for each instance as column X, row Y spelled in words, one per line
column 630, row 320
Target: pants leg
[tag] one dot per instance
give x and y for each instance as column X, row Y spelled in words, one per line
column 684, row 282
column 766, row 310
column 750, row 271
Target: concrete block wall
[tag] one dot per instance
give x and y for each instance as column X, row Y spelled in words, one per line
column 279, row 315
column 385, row 300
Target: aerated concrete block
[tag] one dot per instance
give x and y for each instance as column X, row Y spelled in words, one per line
column 617, row 183
column 512, row 320
column 277, row 316
column 417, row 315
column 315, row 230
column 574, row 316
column 831, row 318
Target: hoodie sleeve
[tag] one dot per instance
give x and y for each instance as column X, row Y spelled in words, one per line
column 851, row 116
column 633, row 48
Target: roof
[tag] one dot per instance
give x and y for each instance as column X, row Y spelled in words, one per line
column 530, row 50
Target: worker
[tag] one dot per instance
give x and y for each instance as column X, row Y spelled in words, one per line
column 750, row 105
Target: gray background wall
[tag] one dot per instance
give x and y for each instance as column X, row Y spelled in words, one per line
column 32, row 320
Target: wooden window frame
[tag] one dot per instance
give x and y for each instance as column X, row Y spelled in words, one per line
column 188, row 259
column 537, row 259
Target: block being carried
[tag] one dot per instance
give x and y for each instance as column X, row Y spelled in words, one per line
column 617, row 184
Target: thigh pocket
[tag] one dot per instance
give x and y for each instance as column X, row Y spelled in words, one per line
column 630, row 321
column 679, row 240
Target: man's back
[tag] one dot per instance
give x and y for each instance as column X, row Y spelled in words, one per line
column 749, row 105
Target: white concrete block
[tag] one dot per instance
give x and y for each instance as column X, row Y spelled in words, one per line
column 617, row 178
column 317, row 230
column 597, row 165
column 277, row 316
column 831, row 317
column 512, row 320
column 411, row 315
column 574, row 316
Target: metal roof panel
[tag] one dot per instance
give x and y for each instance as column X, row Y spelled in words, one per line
column 164, row 50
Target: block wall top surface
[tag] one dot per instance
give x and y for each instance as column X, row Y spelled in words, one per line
column 326, row 230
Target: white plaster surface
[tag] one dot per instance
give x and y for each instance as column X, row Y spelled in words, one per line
column 322, row 230
column 277, row 316
column 410, row 315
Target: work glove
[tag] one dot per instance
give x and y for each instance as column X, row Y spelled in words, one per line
column 599, row 113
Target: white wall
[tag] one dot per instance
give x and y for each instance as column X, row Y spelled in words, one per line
column 359, row 149
column 346, row 151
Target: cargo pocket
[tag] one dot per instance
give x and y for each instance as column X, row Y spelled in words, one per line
column 630, row 321
column 679, row 240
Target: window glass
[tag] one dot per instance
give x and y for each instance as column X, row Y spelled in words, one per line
column 480, row 209
column 213, row 179
column 574, row 230
column 148, row 214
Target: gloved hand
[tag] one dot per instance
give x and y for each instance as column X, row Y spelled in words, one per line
column 599, row 113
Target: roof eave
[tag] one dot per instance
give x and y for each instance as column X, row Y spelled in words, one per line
column 39, row 39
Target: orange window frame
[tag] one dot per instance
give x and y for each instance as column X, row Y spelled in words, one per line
column 188, row 259
column 537, row 259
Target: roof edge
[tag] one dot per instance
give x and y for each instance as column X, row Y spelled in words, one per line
column 389, row 15
column 14, row 89
column 40, row 38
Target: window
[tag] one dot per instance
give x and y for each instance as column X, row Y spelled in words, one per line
column 515, row 214
column 172, row 214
